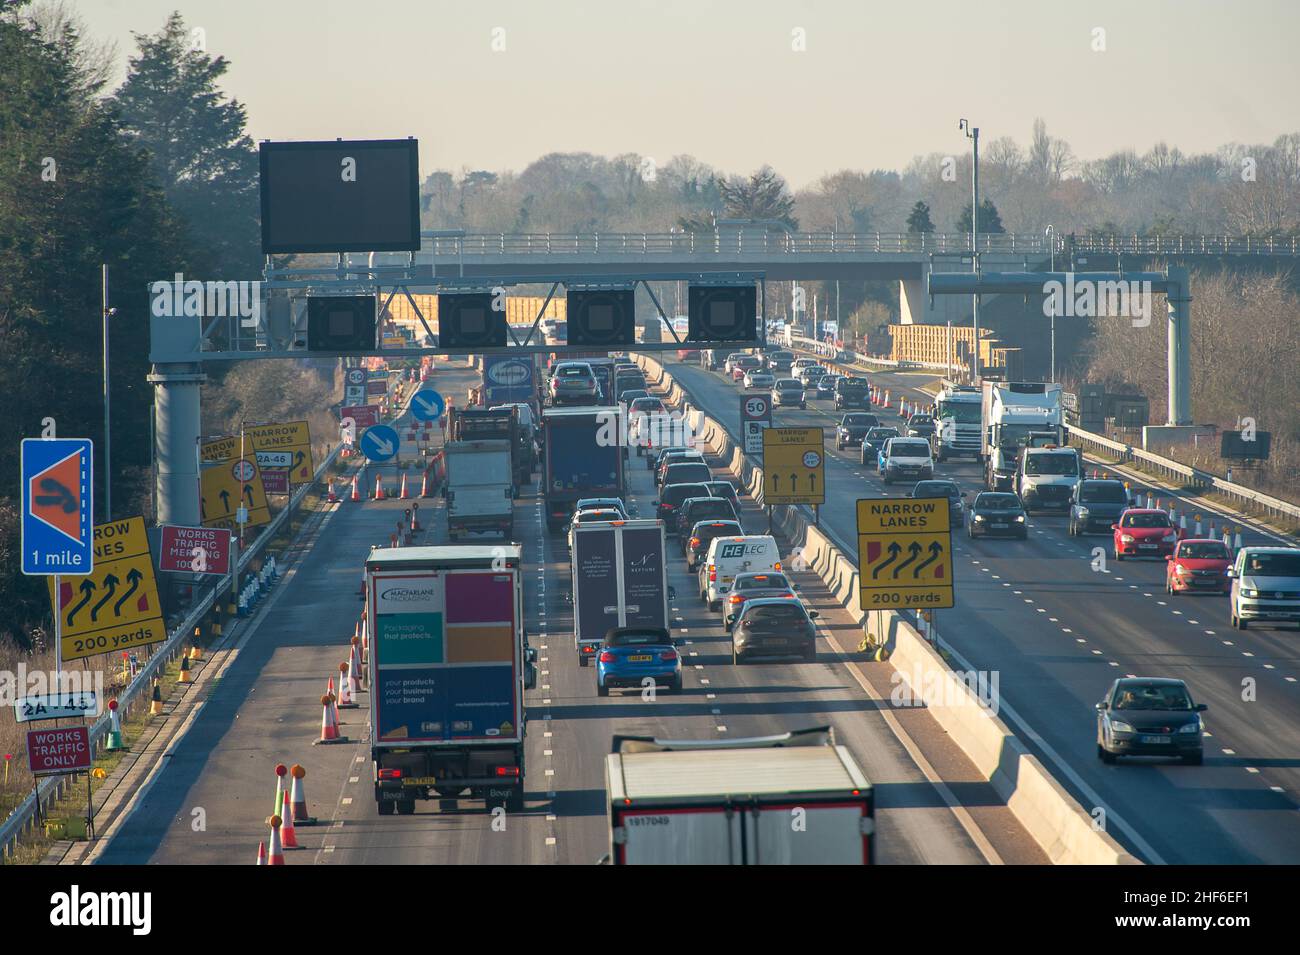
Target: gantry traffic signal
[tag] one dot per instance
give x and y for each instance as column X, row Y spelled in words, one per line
column 467, row 320
column 341, row 323
column 604, row 318
column 722, row 313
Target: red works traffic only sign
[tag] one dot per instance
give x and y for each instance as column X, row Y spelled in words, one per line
column 62, row 750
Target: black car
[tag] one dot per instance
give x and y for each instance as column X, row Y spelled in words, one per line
column 825, row 387
column 1096, row 505
column 920, row 425
column 656, row 457
column 671, row 497
column 997, row 514
column 725, row 489
column 873, row 441
column 853, row 428
column 707, row 508
column 702, row 534
column 774, row 626
column 685, row 472
column 948, row 489
column 852, row 392
column 1145, row 716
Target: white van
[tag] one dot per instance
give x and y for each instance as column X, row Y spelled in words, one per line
column 906, row 459
column 729, row 556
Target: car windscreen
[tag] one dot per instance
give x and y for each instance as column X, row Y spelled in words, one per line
column 706, row 532
column 722, row 489
column 880, row 434
column 1103, row 494
column 711, row 507
column 1151, row 696
column 647, row 405
column 598, row 517
column 1154, row 519
column 858, row 420
column 773, row 615
column 674, row 494
column 788, row 384
column 688, row 471
column 1065, row 464
column 920, row 419
column 936, row 489
column 636, row 639
column 997, row 502
column 852, row 383
column 762, row 582
column 573, row 371
column 1210, row 550
column 1273, row 565
column 909, row 449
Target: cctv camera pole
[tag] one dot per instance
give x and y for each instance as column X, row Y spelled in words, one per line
column 105, row 312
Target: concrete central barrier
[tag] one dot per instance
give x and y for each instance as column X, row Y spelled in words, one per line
column 1055, row 820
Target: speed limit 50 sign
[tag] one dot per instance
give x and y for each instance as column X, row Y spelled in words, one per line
column 755, row 415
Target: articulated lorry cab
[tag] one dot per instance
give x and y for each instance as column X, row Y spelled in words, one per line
column 792, row 799
column 584, row 458
column 620, row 579
column 1016, row 414
column 448, row 668
column 957, row 413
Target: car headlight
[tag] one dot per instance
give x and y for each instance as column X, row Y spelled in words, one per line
column 1083, row 512
column 1246, row 592
column 1126, row 538
column 1020, row 518
column 1182, row 571
column 1190, row 727
column 979, row 517
column 1119, row 726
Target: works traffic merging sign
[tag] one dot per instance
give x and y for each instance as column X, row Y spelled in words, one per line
column 904, row 554
column 194, row 550
column 57, row 482
column 287, row 445
column 223, row 488
column 794, row 466
column 116, row 607
column 755, row 415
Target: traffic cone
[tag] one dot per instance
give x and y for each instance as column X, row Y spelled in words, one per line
column 155, row 705
column 355, row 497
column 298, row 798
column 346, row 702
column 261, row 853
column 114, row 741
column 379, row 487
column 1198, row 525
column 1213, row 533
column 424, row 484
column 331, row 497
column 354, row 665
column 276, row 856
column 196, row 651
column 185, row 669
column 415, row 517
column 288, row 832
column 329, row 727
column 1227, row 538
column 334, row 699
column 402, row 495
column 1236, row 542
column 281, row 771
column 1182, row 526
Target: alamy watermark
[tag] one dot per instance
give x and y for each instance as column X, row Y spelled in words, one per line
column 194, row 299
column 1098, row 299
column 930, row 687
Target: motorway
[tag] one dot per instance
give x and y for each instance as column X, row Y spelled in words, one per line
column 1059, row 626
column 932, row 807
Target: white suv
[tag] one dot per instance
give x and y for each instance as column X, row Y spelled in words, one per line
column 907, row 459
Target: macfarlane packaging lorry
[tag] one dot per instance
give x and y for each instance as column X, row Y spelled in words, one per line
column 792, row 799
column 584, row 458
column 1016, row 414
column 500, row 424
column 620, row 579
column 479, row 489
column 957, row 413
column 448, row 667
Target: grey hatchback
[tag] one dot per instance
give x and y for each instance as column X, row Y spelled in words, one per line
column 1146, row 716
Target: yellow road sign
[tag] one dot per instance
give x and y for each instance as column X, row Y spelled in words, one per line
column 223, row 487
column 116, row 607
column 794, row 466
column 293, row 437
column 904, row 554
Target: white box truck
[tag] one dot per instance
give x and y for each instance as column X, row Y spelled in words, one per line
column 792, row 799
column 620, row 579
column 479, row 488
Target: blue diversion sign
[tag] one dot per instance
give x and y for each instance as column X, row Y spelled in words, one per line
column 57, row 499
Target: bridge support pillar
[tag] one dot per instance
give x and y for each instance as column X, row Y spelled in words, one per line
column 1178, row 299
column 177, row 429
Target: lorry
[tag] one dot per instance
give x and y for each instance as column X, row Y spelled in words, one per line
column 448, row 665
column 732, row 801
column 583, row 458
column 1016, row 414
column 508, row 379
column 479, row 488
column 619, row 579
column 957, row 412
column 1046, row 476
column 496, row 424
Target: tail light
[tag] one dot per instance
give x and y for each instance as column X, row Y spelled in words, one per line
column 736, row 599
column 713, row 573
column 668, row 655
column 695, row 542
column 390, row 774
column 607, row 657
column 508, row 771
column 778, row 565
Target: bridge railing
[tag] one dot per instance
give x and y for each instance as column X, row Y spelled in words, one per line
column 756, row 243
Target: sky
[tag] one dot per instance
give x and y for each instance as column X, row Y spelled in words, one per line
column 807, row 87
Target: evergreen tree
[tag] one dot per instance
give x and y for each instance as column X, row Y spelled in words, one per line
column 919, row 218
column 990, row 221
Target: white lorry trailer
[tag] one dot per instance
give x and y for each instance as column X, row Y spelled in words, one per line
column 795, row 798
column 1016, row 415
column 619, row 579
column 479, row 488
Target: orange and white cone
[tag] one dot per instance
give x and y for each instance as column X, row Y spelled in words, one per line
column 379, row 487
column 355, row 497
column 402, row 495
column 261, row 853
column 346, row 702
column 276, row 856
column 331, row 497
column 334, row 701
column 424, row 484
column 288, row 833
column 354, row 667
column 329, row 727
column 298, row 797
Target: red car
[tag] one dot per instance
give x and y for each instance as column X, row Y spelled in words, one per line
column 1199, row 566
column 1144, row 532
column 742, row 365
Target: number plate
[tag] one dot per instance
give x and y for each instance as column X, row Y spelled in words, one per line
column 420, row 781
column 999, row 527
column 640, row 658
column 1154, row 739
column 1147, row 546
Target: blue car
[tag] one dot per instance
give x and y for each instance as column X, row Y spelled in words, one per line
column 631, row 655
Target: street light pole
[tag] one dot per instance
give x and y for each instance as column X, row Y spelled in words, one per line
column 973, row 134
column 1051, row 244
column 106, row 313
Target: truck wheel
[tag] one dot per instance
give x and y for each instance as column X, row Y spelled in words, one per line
column 406, row 807
column 385, row 808
column 582, row 661
column 516, row 801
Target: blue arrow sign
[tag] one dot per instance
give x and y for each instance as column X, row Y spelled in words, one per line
column 57, row 498
column 427, row 405
column 379, row 443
